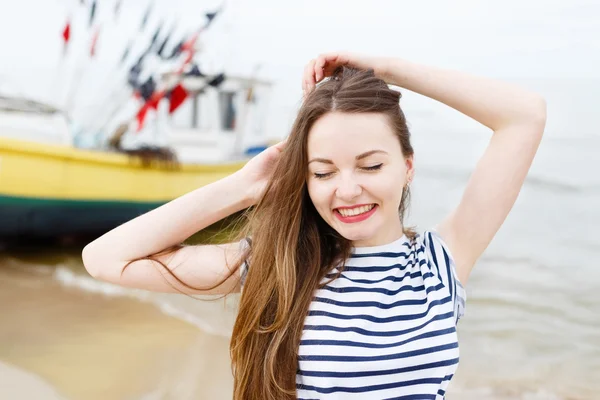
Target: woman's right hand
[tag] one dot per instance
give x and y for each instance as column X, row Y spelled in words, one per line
column 325, row 65
column 259, row 169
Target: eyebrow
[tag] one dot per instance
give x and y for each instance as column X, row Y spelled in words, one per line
column 358, row 157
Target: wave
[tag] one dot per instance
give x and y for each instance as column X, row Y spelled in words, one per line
column 539, row 182
column 69, row 278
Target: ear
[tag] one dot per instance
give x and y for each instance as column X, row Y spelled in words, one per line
column 410, row 167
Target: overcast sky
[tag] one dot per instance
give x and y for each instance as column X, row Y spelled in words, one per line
column 523, row 39
column 507, row 37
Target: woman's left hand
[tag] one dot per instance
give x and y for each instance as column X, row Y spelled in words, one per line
column 325, row 64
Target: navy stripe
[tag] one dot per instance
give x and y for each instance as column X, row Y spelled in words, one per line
column 414, row 397
column 360, row 389
column 406, row 288
column 406, row 354
column 449, row 273
column 419, row 288
column 359, row 374
column 396, row 304
column 377, row 333
column 378, row 268
column 426, row 335
column 412, row 275
column 395, row 318
column 432, row 249
column 385, row 254
column 384, row 306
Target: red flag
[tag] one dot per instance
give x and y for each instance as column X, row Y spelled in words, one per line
column 189, row 45
column 178, row 96
column 155, row 99
column 94, row 41
column 151, row 104
column 66, row 33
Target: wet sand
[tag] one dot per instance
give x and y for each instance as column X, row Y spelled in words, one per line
column 89, row 346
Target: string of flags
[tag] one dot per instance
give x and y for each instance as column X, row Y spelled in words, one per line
column 141, row 77
column 147, row 90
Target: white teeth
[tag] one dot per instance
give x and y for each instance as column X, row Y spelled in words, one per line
column 349, row 212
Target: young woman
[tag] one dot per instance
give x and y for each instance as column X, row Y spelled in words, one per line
column 340, row 300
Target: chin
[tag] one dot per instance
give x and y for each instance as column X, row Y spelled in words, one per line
column 357, row 237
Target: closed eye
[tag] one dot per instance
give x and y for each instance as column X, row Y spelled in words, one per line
column 371, row 168
column 322, row 176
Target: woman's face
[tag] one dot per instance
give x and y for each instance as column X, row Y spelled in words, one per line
column 356, row 160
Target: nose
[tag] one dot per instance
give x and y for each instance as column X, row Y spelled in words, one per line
column 348, row 188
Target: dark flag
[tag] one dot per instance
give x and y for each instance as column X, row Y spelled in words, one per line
column 211, row 16
column 147, row 88
column 195, row 71
column 146, row 17
column 126, row 52
column 161, row 48
column 155, row 37
column 92, row 13
column 176, row 50
column 134, row 74
column 217, row 80
column 117, row 9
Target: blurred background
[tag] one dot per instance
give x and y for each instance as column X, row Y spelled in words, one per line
column 109, row 108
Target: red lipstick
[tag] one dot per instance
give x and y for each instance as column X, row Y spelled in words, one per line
column 355, row 218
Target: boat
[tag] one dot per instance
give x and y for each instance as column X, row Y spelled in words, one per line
column 58, row 181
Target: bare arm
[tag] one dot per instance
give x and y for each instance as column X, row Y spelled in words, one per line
column 168, row 225
column 517, row 118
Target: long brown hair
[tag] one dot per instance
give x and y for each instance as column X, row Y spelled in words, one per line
column 292, row 246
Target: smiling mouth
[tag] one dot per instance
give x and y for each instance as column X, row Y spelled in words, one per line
column 353, row 212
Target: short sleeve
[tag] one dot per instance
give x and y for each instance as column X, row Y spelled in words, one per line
column 244, row 245
column 441, row 258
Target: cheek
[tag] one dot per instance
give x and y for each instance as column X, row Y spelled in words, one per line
column 318, row 194
column 388, row 188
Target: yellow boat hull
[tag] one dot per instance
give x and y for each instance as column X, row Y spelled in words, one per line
column 51, row 190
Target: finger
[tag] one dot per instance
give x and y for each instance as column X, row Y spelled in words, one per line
column 304, row 75
column 309, row 76
column 333, row 61
column 320, row 67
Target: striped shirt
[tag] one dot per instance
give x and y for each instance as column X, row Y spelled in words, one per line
column 386, row 328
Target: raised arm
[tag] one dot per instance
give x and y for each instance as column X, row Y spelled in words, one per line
column 517, row 118
column 171, row 224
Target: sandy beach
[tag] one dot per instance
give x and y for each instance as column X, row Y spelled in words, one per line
column 530, row 331
column 80, row 345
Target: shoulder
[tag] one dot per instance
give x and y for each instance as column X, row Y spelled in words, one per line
column 440, row 256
